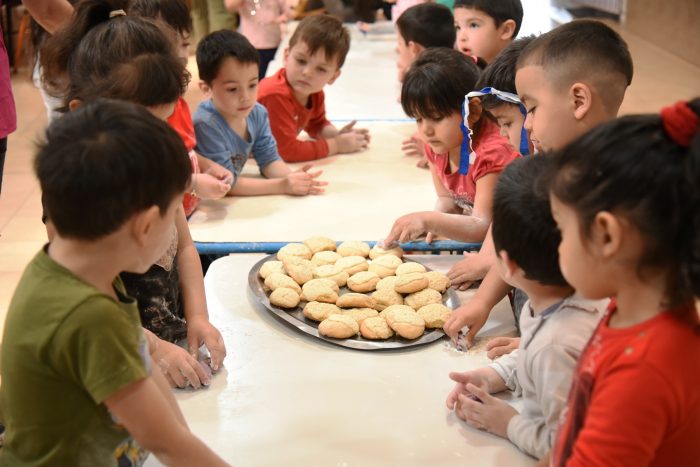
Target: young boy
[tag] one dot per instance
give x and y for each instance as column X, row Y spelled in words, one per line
column 113, row 176
column 485, row 27
column 555, row 323
column 570, row 80
column 294, row 95
column 231, row 124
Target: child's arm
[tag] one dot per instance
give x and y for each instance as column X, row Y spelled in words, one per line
column 199, row 329
column 474, row 266
column 484, row 377
column 214, row 181
column 151, row 421
column 346, row 140
column 280, row 180
column 488, row 413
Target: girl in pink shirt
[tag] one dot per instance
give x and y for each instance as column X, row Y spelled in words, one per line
column 464, row 169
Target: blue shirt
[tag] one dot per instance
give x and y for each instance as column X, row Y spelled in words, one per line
column 217, row 141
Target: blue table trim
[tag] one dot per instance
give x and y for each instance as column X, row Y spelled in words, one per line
column 224, row 248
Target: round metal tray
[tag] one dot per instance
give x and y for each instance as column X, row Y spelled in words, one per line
column 296, row 320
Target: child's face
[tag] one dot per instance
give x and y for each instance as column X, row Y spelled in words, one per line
column 441, row 135
column 406, row 55
column 308, row 73
column 163, row 111
column 180, row 41
column 477, row 34
column 510, row 121
column 550, row 119
column 160, row 234
column 234, row 91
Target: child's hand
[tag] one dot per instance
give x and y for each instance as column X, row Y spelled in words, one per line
column 469, row 315
column 209, row 187
column 408, row 227
column 303, row 182
column 491, row 414
column 474, row 377
column 201, row 331
column 501, row 346
column 413, row 147
column 352, row 141
column 469, row 270
column 220, row 173
column 178, row 366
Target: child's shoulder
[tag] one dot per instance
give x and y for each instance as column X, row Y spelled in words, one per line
column 276, row 85
column 573, row 322
column 205, row 112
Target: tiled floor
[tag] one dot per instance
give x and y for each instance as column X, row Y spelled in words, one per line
column 660, row 78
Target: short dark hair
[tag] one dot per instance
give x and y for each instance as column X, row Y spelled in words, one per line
column 175, row 13
column 428, row 25
column 500, row 74
column 323, row 32
column 522, row 223
column 215, row 47
column 105, row 162
column 583, row 50
column 632, row 167
column 436, row 83
column 500, row 10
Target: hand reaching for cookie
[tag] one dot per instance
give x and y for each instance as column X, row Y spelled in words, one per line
column 409, row 227
column 303, row 182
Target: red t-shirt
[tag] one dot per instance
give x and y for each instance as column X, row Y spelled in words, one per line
column 493, row 153
column 288, row 117
column 181, row 121
column 635, row 398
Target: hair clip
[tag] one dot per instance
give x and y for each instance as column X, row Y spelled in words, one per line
column 511, row 99
column 680, row 123
column 115, row 13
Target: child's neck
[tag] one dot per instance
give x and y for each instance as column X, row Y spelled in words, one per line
column 639, row 301
column 543, row 296
column 303, row 99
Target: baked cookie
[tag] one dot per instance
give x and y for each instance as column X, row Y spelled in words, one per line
column 298, row 269
column 284, row 297
column 409, row 267
column 435, row 315
column 328, row 271
column 276, row 280
column 361, row 314
column 387, row 283
column 363, row 281
column 339, row 327
column 389, row 312
column 316, row 244
column 271, row 266
column 351, row 264
column 385, row 266
column 378, row 251
column 375, row 328
column 386, row 297
column 424, row 297
column 294, row 249
column 408, row 325
column 411, row 282
column 353, row 248
column 320, row 290
column 355, row 300
column 438, row 281
column 318, row 311
column 324, row 257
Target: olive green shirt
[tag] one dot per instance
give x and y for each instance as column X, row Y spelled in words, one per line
column 66, row 348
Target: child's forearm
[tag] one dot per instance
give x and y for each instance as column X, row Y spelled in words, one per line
column 329, row 131
column 164, row 388
column 248, row 186
column 191, row 275
column 457, row 226
column 494, row 382
column 276, row 169
column 446, row 204
column 491, row 291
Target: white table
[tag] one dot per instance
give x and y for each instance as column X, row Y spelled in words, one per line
column 289, row 399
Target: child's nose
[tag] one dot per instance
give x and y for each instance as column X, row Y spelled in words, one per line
column 527, row 124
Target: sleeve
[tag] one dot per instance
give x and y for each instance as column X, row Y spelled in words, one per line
column 318, row 120
column 264, row 146
column 212, row 144
column 626, row 420
column 552, row 370
column 506, row 367
column 492, row 158
column 281, row 115
column 100, row 348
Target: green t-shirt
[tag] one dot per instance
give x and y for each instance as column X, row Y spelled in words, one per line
column 448, row 3
column 66, row 348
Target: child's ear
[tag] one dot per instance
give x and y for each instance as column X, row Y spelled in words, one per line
column 74, row 104
column 606, row 234
column 510, row 267
column 415, row 48
column 142, row 224
column 286, row 53
column 475, row 111
column 204, row 87
column 335, row 76
column 507, row 30
column 581, row 99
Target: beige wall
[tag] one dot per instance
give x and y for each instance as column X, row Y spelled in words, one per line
column 671, row 24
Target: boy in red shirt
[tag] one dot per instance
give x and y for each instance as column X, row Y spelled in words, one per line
column 294, row 95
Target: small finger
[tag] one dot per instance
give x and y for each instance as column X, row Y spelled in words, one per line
column 497, row 342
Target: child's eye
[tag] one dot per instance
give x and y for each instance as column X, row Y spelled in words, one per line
column 532, row 110
column 232, row 89
column 301, row 62
column 418, row 120
column 505, row 125
column 321, row 69
column 474, row 25
column 457, row 27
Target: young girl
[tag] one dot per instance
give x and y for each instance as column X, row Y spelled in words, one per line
column 116, row 56
column 625, row 199
column 464, row 170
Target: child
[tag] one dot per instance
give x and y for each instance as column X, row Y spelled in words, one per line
column 128, row 58
column 231, row 125
column 261, row 24
column 625, row 199
column 418, row 28
column 71, row 330
column 570, row 80
column 555, row 323
column 485, row 27
column 464, row 172
column 294, row 95
column 209, row 179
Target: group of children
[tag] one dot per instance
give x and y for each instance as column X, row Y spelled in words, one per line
column 589, row 221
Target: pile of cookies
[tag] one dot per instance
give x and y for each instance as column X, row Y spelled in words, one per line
column 386, row 295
